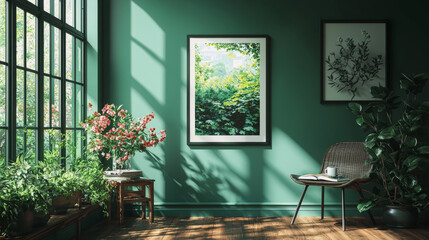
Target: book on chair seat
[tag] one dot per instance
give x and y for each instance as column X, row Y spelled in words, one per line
column 322, row 177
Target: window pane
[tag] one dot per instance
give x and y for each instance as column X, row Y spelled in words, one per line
column 33, row 2
column 3, row 140
column 56, row 96
column 79, row 57
column 19, row 142
column 31, row 41
column 79, row 104
column 46, row 47
column 56, row 55
column 52, row 50
column 26, row 144
column 53, row 7
column 51, row 138
column 31, row 103
column 19, row 97
column 79, row 144
column 70, row 107
column 19, row 37
column 3, row 95
column 52, row 99
column 46, row 101
column 69, row 56
column 3, row 35
column 79, row 11
column 70, row 148
column 70, row 12
column 31, row 145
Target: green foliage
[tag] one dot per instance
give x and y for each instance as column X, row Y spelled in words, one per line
column 353, row 66
column 393, row 144
column 33, row 186
column 227, row 104
column 22, row 188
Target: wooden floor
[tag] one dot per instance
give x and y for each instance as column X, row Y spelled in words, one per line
column 250, row 228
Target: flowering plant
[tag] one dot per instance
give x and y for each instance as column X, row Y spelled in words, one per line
column 115, row 133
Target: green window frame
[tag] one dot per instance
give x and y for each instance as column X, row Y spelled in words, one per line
column 42, row 78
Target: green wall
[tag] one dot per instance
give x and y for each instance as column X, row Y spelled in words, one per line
column 144, row 68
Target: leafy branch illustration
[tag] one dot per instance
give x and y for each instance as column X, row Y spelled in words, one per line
column 352, row 66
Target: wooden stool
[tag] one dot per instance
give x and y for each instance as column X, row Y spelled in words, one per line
column 129, row 196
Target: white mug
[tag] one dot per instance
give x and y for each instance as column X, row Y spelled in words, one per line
column 331, row 171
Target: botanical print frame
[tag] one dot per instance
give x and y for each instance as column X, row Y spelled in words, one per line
column 228, row 89
column 354, row 58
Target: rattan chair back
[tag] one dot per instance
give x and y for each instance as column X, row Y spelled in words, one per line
column 349, row 159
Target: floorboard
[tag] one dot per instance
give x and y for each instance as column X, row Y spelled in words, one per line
column 225, row 228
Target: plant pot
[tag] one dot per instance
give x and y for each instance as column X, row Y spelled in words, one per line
column 400, row 216
column 24, row 223
column 60, row 204
column 41, row 219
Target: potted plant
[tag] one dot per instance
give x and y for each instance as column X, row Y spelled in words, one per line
column 24, row 194
column 64, row 184
column 115, row 133
column 396, row 152
column 95, row 189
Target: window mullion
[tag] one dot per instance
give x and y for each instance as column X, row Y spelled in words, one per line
column 12, row 81
column 40, row 87
column 63, row 83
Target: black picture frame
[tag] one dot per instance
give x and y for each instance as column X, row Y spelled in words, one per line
column 263, row 136
column 330, row 33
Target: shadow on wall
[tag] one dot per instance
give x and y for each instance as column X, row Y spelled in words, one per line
column 146, row 69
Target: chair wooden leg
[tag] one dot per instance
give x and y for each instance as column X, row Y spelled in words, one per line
column 299, row 205
column 369, row 211
column 323, row 203
column 343, row 205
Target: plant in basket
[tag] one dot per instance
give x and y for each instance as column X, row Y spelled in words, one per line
column 114, row 133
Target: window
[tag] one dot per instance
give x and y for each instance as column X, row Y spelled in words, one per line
column 42, row 78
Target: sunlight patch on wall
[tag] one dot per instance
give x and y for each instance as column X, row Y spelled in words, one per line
column 287, row 157
column 147, row 31
column 141, row 107
column 148, row 74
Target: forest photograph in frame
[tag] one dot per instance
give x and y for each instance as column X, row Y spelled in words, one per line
column 227, row 90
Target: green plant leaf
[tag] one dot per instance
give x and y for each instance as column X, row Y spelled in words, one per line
column 411, row 162
column 423, row 150
column 387, row 133
column 355, row 108
column 411, row 141
column 365, row 205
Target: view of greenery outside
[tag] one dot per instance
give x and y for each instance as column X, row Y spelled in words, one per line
column 27, row 73
column 3, row 79
column 227, row 89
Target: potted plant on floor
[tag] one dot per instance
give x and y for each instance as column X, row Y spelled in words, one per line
column 24, row 195
column 395, row 150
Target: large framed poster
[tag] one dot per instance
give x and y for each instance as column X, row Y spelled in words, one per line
column 228, row 84
column 354, row 58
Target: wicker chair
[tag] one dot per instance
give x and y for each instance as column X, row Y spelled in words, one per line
column 349, row 159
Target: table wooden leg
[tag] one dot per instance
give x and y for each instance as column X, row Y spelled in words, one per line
column 121, row 205
column 151, row 207
column 143, row 189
